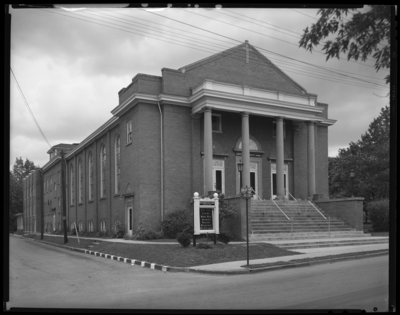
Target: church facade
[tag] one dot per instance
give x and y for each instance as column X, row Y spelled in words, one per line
column 186, row 131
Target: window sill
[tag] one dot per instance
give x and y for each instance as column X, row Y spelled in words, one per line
column 102, row 198
column 217, row 131
column 117, row 195
column 128, row 143
column 90, row 201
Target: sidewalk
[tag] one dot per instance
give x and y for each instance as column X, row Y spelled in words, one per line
column 310, row 256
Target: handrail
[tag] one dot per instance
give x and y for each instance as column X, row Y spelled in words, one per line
column 280, row 209
column 256, row 194
column 316, row 209
column 291, row 195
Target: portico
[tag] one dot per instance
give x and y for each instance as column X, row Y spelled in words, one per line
column 211, row 96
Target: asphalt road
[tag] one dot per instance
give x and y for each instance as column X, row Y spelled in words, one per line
column 44, row 276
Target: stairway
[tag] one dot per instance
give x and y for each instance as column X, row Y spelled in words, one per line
column 269, row 223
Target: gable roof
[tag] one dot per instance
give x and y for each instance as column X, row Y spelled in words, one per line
column 235, row 49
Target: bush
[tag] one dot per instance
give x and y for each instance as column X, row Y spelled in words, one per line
column 56, row 232
column 378, row 212
column 225, row 237
column 144, row 233
column 184, row 239
column 175, row 223
column 119, row 230
column 202, row 246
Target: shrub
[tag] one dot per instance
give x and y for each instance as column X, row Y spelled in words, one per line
column 225, row 237
column 226, row 210
column 119, row 230
column 144, row 233
column 184, row 239
column 378, row 212
column 203, row 246
column 175, row 223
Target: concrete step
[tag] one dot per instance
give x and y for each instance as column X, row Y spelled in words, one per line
column 332, row 243
column 261, row 232
column 306, row 235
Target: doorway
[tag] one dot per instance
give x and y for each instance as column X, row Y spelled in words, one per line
column 129, row 220
column 285, row 180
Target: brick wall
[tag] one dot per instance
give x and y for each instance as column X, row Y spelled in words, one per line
column 258, row 73
column 350, row 210
column 177, row 126
column 141, row 83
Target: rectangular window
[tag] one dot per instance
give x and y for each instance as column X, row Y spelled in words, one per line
column 216, row 122
column 129, row 131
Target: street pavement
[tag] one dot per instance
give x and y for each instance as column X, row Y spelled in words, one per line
column 319, row 253
column 46, row 276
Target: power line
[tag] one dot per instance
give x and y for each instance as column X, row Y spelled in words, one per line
column 174, row 41
column 254, row 46
column 216, row 39
column 317, row 51
column 30, row 111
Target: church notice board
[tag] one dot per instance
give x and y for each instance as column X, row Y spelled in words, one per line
column 206, row 215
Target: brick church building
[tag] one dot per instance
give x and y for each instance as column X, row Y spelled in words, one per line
column 184, row 132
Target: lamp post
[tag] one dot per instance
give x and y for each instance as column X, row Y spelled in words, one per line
column 352, row 182
column 240, row 169
column 246, row 193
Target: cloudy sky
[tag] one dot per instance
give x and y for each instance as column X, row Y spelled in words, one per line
column 70, row 65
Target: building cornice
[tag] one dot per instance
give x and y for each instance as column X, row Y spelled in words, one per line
column 51, row 163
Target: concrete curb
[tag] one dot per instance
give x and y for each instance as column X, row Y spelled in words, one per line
column 154, row 266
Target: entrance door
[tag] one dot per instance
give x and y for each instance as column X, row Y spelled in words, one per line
column 129, row 220
column 273, row 180
column 219, row 175
column 254, row 179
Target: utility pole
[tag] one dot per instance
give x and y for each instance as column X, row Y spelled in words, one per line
column 63, row 197
column 41, row 190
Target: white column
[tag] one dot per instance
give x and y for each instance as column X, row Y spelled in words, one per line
column 311, row 158
column 208, row 152
column 280, row 188
column 245, row 150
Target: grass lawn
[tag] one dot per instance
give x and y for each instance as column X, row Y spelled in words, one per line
column 175, row 255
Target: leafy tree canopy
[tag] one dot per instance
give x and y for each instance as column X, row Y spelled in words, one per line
column 19, row 171
column 369, row 158
column 363, row 35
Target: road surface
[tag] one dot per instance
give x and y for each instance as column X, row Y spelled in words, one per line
column 44, row 276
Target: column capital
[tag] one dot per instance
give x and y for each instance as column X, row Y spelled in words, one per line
column 312, row 122
column 245, row 113
column 207, row 109
column 279, row 117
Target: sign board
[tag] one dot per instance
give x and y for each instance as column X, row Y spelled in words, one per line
column 206, row 220
column 206, row 215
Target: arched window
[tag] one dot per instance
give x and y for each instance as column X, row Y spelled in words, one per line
column 72, row 183
column 117, row 164
column 103, row 171
column 80, row 181
column 252, row 145
column 103, row 226
column 90, row 176
column 80, row 227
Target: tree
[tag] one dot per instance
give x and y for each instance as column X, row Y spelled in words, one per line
column 20, row 170
column 363, row 35
column 369, row 158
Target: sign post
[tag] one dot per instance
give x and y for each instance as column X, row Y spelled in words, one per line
column 206, row 216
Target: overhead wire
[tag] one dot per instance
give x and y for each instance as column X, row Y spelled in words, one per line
column 202, row 48
column 219, row 45
column 29, row 108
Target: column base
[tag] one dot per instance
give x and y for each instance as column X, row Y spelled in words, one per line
column 280, row 198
